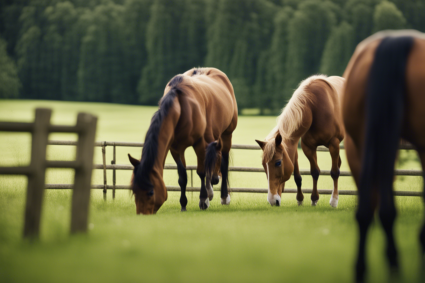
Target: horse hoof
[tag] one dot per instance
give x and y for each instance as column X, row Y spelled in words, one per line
column 300, row 203
column 333, row 202
column 204, row 204
column 225, row 201
column 183, row 209
column 314, row 202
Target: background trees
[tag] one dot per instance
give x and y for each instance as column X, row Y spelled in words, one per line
column 125, row 51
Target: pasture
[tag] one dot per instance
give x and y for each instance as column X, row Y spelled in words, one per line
column 248, row 241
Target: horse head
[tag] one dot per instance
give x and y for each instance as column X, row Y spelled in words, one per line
column 277, row 166
column 148, row 195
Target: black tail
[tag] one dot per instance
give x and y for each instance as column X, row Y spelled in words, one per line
column 384, row 113
column 211, row 156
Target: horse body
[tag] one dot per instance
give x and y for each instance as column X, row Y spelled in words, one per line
column 200, row 108
column 383, row 101
column 312, row 115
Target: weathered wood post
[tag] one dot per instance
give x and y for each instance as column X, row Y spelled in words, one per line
column 83, row 173
column 36, row 171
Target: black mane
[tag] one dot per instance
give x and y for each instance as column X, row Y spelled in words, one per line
column 150, row 148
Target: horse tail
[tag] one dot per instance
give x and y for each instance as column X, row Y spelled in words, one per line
column 384, row 113
column 211, row 156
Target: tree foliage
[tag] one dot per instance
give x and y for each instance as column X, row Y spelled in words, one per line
column 125, row 51
column 9, row 81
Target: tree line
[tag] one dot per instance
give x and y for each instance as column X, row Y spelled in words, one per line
column 125, row 51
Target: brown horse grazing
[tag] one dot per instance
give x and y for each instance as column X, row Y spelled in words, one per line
column 198, row 109
column 312, row 114
column 383, row 101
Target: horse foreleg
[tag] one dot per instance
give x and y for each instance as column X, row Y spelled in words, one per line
column 311, row 155
column 298, row 180
column 225, row 196
column 336, row 163
column 181, row 169
column 224, row 168
column 199, row 148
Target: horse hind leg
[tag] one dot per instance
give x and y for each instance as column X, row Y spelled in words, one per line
column 387, row 215
column 422, row 233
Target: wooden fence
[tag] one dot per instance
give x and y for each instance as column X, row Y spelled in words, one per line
column 36, row 171
column 113, row 166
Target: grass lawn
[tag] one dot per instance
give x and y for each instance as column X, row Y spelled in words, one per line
column 248, row 241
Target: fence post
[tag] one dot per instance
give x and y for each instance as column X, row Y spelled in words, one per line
column 82, row 180
column 104, row 170
column 37, row 174
column 114, row 180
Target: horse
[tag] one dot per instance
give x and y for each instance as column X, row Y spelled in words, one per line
column 312, row 115
column 198, row 109
column 383, row 101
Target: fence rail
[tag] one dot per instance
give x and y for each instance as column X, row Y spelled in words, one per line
column 113, row 166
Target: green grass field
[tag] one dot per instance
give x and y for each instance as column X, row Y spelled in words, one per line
column 248, row 241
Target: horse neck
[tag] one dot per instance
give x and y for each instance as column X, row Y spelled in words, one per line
column 165, row 138
column 291, row 147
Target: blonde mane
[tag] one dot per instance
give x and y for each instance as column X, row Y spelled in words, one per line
column 292, row 114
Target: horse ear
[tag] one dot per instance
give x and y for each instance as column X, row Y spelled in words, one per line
column 261, row 144
column 133, row 160
column 278, row 139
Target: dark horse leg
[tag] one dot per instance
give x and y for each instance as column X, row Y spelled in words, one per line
column 422, row 233
column 336, row 163
column 224, row 168
column 387, row 215
column 365, row 209
column 298, row 180
column 181, row 169
column 199, row 148
column 310, row 153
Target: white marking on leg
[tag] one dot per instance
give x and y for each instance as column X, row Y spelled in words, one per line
column 210, row 190
column 314, row 203
column 299, row 203
column 334, row 200
column 226, row 201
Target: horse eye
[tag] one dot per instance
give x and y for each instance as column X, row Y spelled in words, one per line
column 150, row 193
column 278, row 163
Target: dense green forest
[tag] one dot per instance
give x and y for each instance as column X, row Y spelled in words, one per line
column 125, row 51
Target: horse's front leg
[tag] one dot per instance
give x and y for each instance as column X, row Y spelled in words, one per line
column 298, row 180
column 199, row 148
column 181, row 169
column 224, row 168
column 310, row 153
column 336, row 163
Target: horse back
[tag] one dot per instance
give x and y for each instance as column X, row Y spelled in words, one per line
column 354, row 95
column 208, row 105
column 326, row 120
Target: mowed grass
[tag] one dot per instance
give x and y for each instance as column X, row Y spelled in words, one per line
column 248, row 241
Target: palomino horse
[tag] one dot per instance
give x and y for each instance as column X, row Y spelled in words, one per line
column 198, row 109
column 312, row 114
column 383, row 101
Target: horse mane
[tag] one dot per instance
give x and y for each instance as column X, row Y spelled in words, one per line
column 269, row 150
column 150, row 147
column 292, row 114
